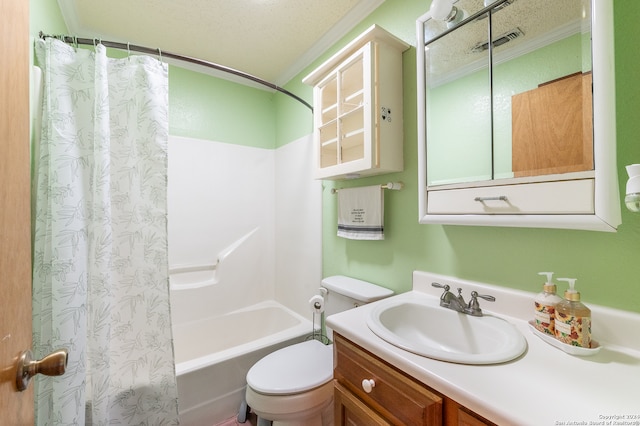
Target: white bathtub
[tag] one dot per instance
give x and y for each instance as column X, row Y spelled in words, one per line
column 213, row 356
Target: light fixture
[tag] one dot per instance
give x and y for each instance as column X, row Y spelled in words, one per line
column 444, row 10
column 632, row 199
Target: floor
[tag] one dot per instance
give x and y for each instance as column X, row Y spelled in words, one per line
column 251, row 421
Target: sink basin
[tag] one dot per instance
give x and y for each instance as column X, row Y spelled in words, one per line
column 420, row 325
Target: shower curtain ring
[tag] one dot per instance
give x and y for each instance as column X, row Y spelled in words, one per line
column 159, row 54
column 128, row 52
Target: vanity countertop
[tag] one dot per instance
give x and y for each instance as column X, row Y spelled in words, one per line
column 544, row 386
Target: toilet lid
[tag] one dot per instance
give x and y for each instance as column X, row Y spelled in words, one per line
column 293, row 369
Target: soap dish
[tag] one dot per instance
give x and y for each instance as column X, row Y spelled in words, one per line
column 573, row 350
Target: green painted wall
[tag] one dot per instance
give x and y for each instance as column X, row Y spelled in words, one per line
column 200, row 106
column 607, row 265
column 204, row 107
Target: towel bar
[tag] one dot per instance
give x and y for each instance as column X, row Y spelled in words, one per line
column 396, row 186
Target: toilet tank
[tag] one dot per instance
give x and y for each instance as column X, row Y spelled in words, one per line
column 345, row 293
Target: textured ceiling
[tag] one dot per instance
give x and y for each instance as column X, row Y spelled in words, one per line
column 539, row 22
column 270, row 39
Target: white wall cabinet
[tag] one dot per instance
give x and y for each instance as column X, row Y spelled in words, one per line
column 357, row 101
column 536, row 190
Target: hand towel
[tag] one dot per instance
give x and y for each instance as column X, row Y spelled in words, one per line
column 361, row 213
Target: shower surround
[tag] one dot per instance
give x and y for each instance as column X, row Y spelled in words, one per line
column 244, row 258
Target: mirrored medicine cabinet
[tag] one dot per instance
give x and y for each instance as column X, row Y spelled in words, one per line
column 516, row 115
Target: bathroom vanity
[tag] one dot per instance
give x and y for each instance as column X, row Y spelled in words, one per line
column 543, row 386
column 392, row 398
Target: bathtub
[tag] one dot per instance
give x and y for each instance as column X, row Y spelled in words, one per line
column 213, row 356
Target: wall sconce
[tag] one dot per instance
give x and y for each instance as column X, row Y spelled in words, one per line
column 632, row 199
column 444, row 10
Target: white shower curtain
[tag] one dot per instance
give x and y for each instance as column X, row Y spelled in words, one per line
column 100, row 281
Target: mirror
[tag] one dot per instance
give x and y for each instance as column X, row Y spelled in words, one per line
column 507, row 130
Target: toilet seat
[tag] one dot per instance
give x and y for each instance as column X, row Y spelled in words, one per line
column 294, row 369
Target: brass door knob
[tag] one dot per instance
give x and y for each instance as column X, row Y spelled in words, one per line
column 53, row 364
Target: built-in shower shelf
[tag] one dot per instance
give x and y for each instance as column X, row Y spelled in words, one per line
column 196, row 275
column 185, row 277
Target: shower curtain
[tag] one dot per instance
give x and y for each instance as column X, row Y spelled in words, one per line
column 100, row 278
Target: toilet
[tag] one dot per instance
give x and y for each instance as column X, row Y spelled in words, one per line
column 293, row 386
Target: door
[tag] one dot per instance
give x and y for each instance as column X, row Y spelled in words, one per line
column 349, row 410
column 15, row 220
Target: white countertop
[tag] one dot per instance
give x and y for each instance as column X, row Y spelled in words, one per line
column 544, row 386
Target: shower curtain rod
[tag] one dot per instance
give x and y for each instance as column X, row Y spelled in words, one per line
column 160, row 53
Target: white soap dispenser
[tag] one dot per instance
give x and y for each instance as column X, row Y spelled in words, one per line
column 573, row 319
column 545, row 306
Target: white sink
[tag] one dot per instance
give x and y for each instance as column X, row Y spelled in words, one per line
column 420, row 325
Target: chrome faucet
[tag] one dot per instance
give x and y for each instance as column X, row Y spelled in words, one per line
column 450, row 301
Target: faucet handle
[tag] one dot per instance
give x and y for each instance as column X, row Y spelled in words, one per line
column 475, row 295
column 445, row 298
column 474, row 307
column 438, row 285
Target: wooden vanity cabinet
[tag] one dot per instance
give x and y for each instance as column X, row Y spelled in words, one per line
column 394, row 399
column 458, row 415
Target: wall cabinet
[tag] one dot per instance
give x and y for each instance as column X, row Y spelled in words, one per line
column 522, row 134
column 357, row 101
column 369, row 391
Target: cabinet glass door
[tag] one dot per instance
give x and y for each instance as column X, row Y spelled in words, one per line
column 343, row 103
column 328, row 128
column 351, row 110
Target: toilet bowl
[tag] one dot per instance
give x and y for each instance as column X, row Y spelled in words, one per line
column 282, row 389
column 293, row 386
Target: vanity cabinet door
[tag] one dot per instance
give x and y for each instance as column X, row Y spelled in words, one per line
column 349, row 410
column 395, row 397
column 457, row 415
column 466, row 419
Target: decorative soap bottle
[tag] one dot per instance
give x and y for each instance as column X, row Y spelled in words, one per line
column 545, row 306
column 573, row 319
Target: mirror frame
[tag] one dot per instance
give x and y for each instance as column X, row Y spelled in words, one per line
column 607, row 212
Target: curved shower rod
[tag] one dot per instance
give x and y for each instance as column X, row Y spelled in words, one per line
column 161, row 53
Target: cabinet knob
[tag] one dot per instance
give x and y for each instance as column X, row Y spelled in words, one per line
column 368, row 385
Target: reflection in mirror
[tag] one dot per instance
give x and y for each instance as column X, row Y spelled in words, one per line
column 542, row 93
column 458, row 105
column 518, row 107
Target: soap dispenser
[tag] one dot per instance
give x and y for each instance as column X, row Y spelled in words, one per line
column 573, row 319
column 545, row 306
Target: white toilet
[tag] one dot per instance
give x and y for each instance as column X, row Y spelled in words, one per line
column 293, row 385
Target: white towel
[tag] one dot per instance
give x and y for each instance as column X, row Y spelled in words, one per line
column 361, row 213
